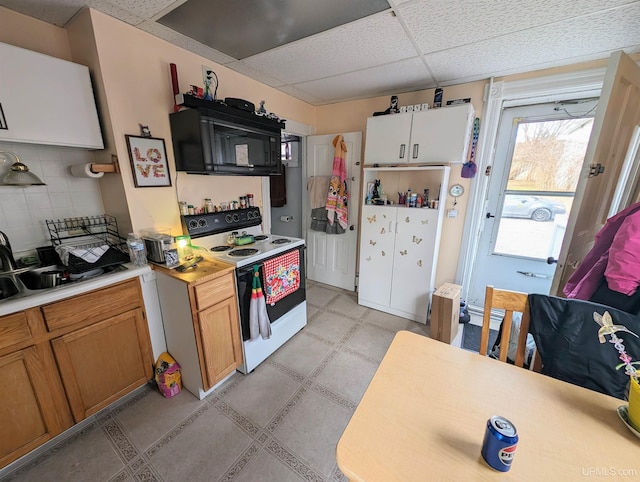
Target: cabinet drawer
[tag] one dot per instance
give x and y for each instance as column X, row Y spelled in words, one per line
column 93, row 307
column 214, row 291
column 14, row 329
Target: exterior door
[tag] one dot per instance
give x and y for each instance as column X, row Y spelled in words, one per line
column 540, row 150
column 616, row 117
column 332, row 257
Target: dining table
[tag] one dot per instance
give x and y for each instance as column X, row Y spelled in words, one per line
column 424, row 414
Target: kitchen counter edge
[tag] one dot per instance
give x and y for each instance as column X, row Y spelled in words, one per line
column 62, row 292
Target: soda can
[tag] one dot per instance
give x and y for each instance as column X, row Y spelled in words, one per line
column 499, row 444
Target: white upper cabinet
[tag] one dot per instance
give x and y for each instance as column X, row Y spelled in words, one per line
column 434, row 136
column 46, row 100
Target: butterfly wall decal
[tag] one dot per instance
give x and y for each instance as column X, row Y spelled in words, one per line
column 417, row 240
column 372, row 242
column 371, row 219
column 403, row 252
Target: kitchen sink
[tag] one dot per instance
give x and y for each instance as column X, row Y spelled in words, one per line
column 41, row 278
column 7, row 288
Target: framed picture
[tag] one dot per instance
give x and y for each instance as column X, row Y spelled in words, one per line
column 148, row 158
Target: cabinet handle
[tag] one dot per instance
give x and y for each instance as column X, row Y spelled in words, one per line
column 415, row 151
column 402, row 147
column 3, row 120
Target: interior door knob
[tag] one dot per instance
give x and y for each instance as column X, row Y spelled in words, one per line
column 489, row 215
column 551, row 260
column 352, row 227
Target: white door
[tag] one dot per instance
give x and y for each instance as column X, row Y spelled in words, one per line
column 331, row 258
column 539, row 153
column 617, row 115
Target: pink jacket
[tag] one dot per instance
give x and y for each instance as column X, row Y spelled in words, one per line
column 615, row 255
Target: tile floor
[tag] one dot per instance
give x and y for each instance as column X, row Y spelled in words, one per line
column 280, row 423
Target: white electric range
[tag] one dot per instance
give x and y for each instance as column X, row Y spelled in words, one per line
column 288, row 315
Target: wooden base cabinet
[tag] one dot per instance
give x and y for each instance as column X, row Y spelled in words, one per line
column 61, row 362
column 32, row 404
column 104, row 361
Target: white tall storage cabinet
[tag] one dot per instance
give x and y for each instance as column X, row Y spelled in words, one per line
column 399, row 245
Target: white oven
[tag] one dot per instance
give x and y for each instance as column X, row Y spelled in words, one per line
column 289, row 314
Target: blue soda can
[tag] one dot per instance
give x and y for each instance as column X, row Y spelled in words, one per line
column 499, row 444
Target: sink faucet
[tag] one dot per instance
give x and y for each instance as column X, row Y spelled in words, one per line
column 8, row 263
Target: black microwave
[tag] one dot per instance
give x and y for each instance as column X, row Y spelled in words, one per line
column 225, row 140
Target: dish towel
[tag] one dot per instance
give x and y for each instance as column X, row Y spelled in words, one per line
column 259, row 323
column 281, row 276
column 337, row 196
column 90, row 255
column 318, row 186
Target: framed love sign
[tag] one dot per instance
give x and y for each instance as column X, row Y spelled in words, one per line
column 148, row 158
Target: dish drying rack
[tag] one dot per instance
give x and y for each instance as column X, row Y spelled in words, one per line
column 89, row 232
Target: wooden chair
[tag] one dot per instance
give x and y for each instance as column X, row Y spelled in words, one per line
column 509, row 301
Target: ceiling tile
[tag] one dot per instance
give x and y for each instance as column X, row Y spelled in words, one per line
column 462, row 22
column 573, row 40
column 250, row 72
column 143, row 8
column 116, row 11
column 299, row 94
column 57, row 12
column 374, row 40
column 186, row 43
column 404, row 76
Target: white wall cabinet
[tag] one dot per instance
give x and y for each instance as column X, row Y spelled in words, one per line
column 46, row 100
column 399, row 246
column 434, row 136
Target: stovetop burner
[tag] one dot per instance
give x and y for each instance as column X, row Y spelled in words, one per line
column 244, row 252
column 281, row 241
column 218, row 249
column 261, row 237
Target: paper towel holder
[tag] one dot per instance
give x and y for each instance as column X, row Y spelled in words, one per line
column 112, row 167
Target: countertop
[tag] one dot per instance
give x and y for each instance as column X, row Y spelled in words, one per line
column 58, row 293
column 207, row 270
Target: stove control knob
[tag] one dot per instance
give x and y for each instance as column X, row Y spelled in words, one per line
column 202, row 223
column 256, row 213
column 236, row 218
column 228, row 218
column 193, row 224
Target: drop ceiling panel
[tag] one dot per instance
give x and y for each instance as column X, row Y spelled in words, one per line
column 142, row 8
column 186, row 43
column 299, row 94
column 252, row 73
column 57, row 14
column 395, row 78
column 264, row 24
column 578, row 39
column 461, row 22
column 375, row 40
column 116, row 11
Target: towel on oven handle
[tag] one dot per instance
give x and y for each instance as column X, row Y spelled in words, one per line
column 281, row 276
column 259, row 323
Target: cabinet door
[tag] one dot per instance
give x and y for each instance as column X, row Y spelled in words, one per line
column 441, row 136
column 46, row 100
column 413, row 260
column 387, row 139
column 104, row 361
column 220, row 341
column 32, row 404
column 376, row 254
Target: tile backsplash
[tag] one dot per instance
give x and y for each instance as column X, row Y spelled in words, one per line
column 23, row 211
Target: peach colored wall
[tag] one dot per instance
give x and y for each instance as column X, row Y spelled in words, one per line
column 30, row 33
column 352, row 116
column 137, row 85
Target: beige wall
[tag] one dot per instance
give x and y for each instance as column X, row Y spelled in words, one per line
column 30, row 33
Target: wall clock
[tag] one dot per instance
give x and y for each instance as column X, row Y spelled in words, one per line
column 456, row 190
